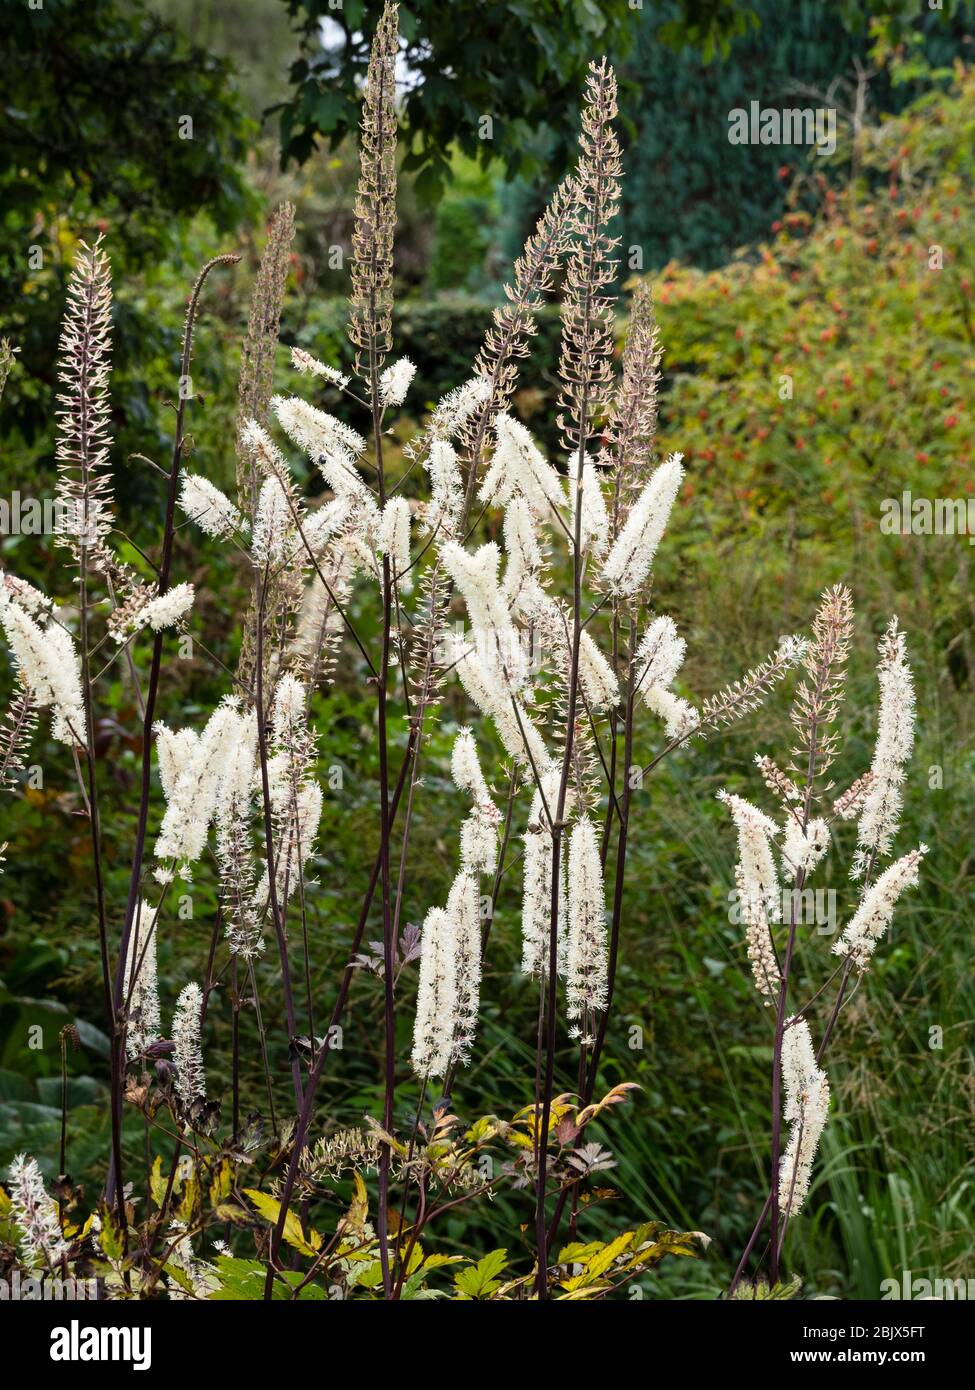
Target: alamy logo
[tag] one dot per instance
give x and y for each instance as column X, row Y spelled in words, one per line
column 768, row 125
column 908, row 515
column 76, row 1343
column 907, row 1287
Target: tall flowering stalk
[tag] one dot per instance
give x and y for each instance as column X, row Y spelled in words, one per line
column 801, row 834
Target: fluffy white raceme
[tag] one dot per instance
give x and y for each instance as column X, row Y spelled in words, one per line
column 187, row 1045
column 758, row 941
column 31, row 600
column 536, row 908
column 192, row 799
column 586, row 980
column 395, row 382
column 289, row 711
column 165, row 610
column 595, row 518
column 436, row 999
column 659, row 655
column 630, row 559
column 465, row 768
column 755, row 834
column 880, row 815
column 479, row 842
column 443, row 511
column 141, row 987
column 806, row 1109
column 176, row 750
column 478, row 833
column 273, row 523
column 522, row 550
column 393, row 539
column 876, row 909
column 496, row 640
column 463, row 908
column 457, row 406
column 476, row 576
column 34, row 1215
column 308, row 365
column 211, row 509
column 48, row 665
column 803, row 849
column 520, row 736
column 320, row 527
column 596, row 675
column 679, row 715
column 518, row 467
column 233, row 812
column 333, row 445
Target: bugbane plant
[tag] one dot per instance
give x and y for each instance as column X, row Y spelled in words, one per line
column 778, row 855
column 512, row 584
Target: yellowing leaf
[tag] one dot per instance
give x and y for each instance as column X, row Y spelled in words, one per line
column 270, row 1208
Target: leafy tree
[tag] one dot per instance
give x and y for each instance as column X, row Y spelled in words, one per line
column 109, row 123
column 519, row 64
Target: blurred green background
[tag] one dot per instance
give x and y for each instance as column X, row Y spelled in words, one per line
column 817, row 316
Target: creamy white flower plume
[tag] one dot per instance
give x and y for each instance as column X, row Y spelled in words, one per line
column 320, row 527
column 211, row 509
column 880, row 815
column 234, row 806
column 141, row 988
column 465, row 768
column 31, row 600
column 679, row 715
column 446, row 502
column 35, row 1215
column 48, row 665
column 758, row 940
column 436, row 998
column 659, row 655
column 457, row 406
column 393, row 539
column 586, row 982
column 595, row 518
column 191, row 803
column 476, row 576
column 658, row 659
column 478, row 833
column 308, row 365
column 523, row 552
column 536, row 910
column 463, row 908
column 518, row 467
column 755, row 833
column 803, row 849
column 631, row 556
column 333, row 445
column 520, row 736
column 806, row 1110
column 187, row 1045
column 176, row 750
column 273, row 523
column 876, row 909
column 395, row 382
